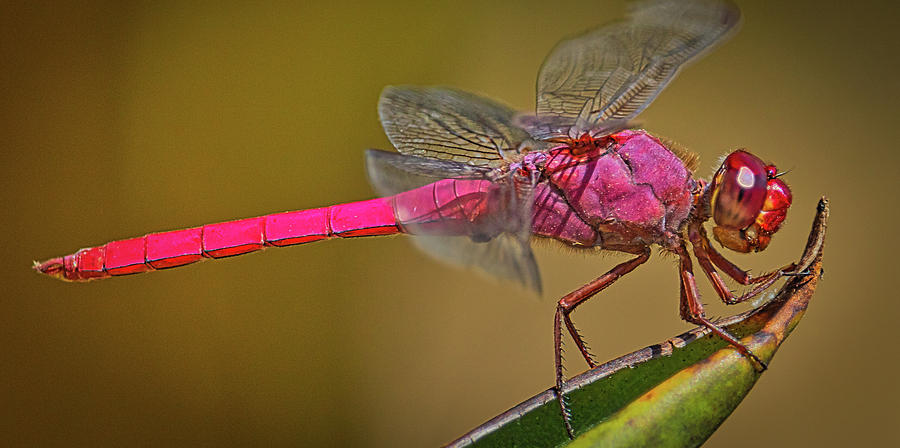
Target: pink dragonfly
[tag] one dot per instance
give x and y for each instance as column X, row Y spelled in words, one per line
column 477, row 182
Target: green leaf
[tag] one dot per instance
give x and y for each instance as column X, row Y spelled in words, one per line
column 671, row 394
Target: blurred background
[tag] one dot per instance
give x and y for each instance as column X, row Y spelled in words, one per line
column 121, row 118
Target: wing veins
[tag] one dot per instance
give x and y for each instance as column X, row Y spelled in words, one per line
column 615, row 71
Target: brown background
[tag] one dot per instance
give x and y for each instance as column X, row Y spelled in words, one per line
column 121, row 120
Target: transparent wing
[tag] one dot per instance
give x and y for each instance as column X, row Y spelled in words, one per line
column 505, row 257
column 506, row 253
column 448, row 124
column 391, row 173
column 615, row 71
column 546, row 127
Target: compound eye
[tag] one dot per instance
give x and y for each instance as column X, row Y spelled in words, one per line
column 739, row 190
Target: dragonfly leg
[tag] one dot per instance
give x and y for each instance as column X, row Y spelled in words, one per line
column 568, row 304
column 707, row 256
column 692, row 308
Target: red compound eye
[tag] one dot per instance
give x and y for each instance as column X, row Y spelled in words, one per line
column 739, row 190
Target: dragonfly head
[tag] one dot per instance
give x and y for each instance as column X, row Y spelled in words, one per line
column 748, row 202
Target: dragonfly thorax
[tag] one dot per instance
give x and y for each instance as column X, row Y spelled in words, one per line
column 584, row 144
column 634, row 192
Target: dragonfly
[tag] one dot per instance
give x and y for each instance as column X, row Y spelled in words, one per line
column 476, row 182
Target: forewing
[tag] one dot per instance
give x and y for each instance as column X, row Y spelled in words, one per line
column 448, row 124
column 507, row 253
column 612, row 73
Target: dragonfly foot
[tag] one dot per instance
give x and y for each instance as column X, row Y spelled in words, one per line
column 564, row 410
column 758, row 363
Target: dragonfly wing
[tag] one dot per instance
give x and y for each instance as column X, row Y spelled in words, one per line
column 448, row 124
column 615, row 71
column 505, row 257
column 507, row 253
column 391, row 173
column 546, row 127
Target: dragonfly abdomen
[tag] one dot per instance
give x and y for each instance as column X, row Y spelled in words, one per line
column 181, row 247
column 453, row 207
column 447, row 207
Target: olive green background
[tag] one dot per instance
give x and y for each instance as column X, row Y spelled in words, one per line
column 122, row 119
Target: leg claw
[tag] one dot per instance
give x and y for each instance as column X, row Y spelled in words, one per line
column 802, row 273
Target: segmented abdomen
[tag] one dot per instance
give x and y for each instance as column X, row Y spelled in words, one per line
column 180, row 247
column 446, row 207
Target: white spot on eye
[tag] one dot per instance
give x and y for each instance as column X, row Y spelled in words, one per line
column 745, row 177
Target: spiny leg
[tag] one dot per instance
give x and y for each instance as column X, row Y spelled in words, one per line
column 568, row 304
column 692, row 308
column 707, row 256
